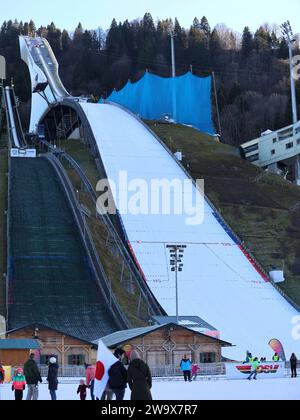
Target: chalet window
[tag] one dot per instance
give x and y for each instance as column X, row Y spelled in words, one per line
column 273, row 152
column 76, row 359
column 208, row 358
column 46, row 357
column 290, row 146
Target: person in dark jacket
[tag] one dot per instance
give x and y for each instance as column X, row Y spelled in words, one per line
column 294, row 363
column 33, row 377
column 117, row 381
column 139, row 379
column 52, row 378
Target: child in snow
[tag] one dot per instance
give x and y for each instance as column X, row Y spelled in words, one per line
column 18, row 384
column 195, row 370
column 82, row 390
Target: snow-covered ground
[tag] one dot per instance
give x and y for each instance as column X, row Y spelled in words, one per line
column 276, row 389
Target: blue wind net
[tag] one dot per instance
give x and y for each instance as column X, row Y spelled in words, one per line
column 186, row 99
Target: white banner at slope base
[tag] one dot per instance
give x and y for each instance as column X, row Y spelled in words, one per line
column 265, row 371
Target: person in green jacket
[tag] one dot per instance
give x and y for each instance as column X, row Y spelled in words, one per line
column 254, row 371
column 276, row 358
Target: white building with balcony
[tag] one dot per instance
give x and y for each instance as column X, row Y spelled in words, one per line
column 277, row 151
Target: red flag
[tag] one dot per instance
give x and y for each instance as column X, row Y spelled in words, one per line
column 278, row 348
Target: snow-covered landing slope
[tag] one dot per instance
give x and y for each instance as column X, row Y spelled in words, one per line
column 219, row 283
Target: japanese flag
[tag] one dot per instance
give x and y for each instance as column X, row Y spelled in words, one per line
column 105, row 360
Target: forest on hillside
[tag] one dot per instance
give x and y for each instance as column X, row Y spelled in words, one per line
column 251, row 69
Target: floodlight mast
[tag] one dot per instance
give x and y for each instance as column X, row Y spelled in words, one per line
column 176, row 256
column 287, row 33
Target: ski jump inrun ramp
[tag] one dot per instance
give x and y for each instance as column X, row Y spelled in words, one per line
column 220, row 282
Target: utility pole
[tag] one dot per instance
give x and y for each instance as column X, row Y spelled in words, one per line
column 287, row 32
column 217, row 103
column 176, row 257
column 172, row 35
column 174, row 102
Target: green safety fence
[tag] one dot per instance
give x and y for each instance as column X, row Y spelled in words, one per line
column 50, row 278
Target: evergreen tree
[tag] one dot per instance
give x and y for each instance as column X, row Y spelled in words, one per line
column 54, row 38
column 78, row 34
column 146, row 41
column 65, row 41
column 205, row 27
column 32, row 28
column 247, row 43
column 112, row 40
column 283, row 51
column 180, row 42
column 262, row 40
column 215, row 44
column 196, row 24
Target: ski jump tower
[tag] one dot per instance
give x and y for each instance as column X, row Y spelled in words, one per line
column 220, row 281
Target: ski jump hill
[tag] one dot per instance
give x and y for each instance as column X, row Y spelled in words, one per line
column 220, row 281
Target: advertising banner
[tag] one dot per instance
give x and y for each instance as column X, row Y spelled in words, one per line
column 8, row 375
column 265, row 370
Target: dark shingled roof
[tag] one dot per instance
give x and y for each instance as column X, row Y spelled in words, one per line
column 50, row 278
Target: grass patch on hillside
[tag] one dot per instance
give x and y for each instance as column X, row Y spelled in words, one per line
column 262, row 209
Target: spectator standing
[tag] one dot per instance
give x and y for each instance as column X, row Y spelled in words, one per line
column 139, row 378
column 186, row 368
column 33, row 377
column 117, row 381
column 52, row 378
column 294, row 362
column 90, row 373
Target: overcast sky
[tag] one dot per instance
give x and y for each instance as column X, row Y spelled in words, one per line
column 94, row 13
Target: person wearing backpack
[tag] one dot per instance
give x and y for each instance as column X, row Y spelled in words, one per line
column 117, row 381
